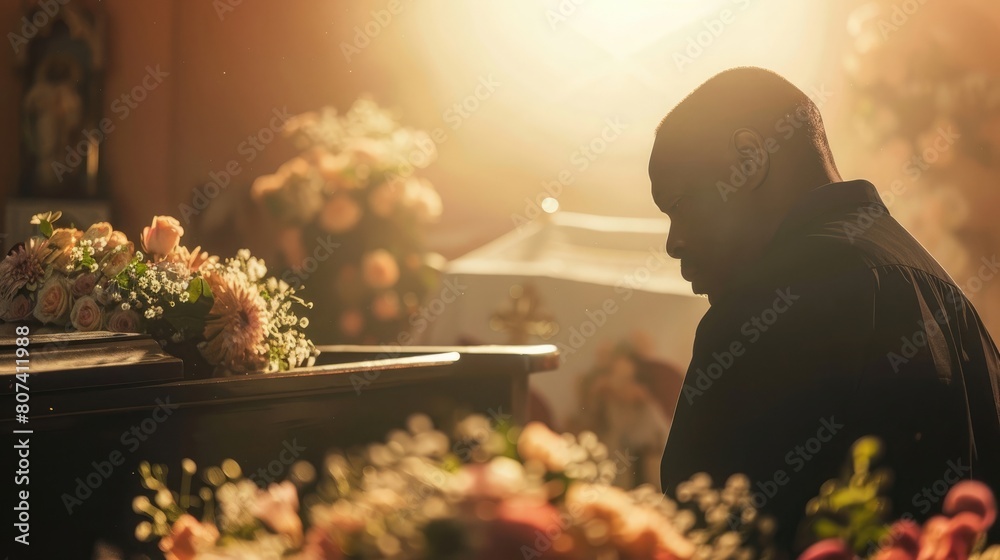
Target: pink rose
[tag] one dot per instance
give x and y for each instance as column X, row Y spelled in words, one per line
column 160, row 238
column 278, row 508
column 828, row 549
column 17, row 309
column 901, row 543
column 379, row 269
column 54, row 300
column 86, row 315
column 320, row 545
column 973, row 497
column 519, row 521
column 949, row 539
column 83, row 284
column 187, row 538
column 123, row 320
column 339, row 214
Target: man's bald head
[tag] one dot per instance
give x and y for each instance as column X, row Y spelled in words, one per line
column 747, row 97
column 727, row 164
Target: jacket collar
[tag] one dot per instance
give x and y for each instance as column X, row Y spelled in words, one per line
column 827, row 199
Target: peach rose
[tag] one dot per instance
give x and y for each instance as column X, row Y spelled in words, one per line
column 17, row 309
column 383, row 199
column 187, row 538
column 62, row 241
column 339, row 214
column 115, row 240
column 83, row 284
column 54, row 301
column 538, row 443
column 162, row 236
column 115, row 261
column 333, row 169
column 352, row 322
column 123, row 320
column 98, row 235
column 86, row 315
column 379, row 269
column 385, row 307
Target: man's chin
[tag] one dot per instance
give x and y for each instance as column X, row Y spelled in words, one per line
column 701, row 288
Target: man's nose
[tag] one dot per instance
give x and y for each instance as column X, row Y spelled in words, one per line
column 675, row 244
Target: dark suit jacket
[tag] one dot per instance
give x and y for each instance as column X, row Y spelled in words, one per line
column 845, row 327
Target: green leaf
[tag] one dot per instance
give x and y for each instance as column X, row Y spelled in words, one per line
column 198, row 288
column 45, row 227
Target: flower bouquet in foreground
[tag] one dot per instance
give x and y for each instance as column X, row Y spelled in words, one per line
column 97, row 279
column 489, row 492
column 848, row 518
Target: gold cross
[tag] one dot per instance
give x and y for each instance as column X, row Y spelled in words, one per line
column 523, row 317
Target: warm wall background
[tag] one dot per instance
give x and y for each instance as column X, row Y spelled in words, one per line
column 559, row 82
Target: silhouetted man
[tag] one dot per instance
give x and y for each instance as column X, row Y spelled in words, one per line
column 828, row 321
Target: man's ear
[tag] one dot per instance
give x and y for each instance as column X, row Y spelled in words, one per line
column 754, row 159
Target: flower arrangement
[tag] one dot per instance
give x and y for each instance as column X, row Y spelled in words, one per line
column 96, row 279
column 350, row 213
column 489, row 492
column 848, row 518
column 500, row 492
